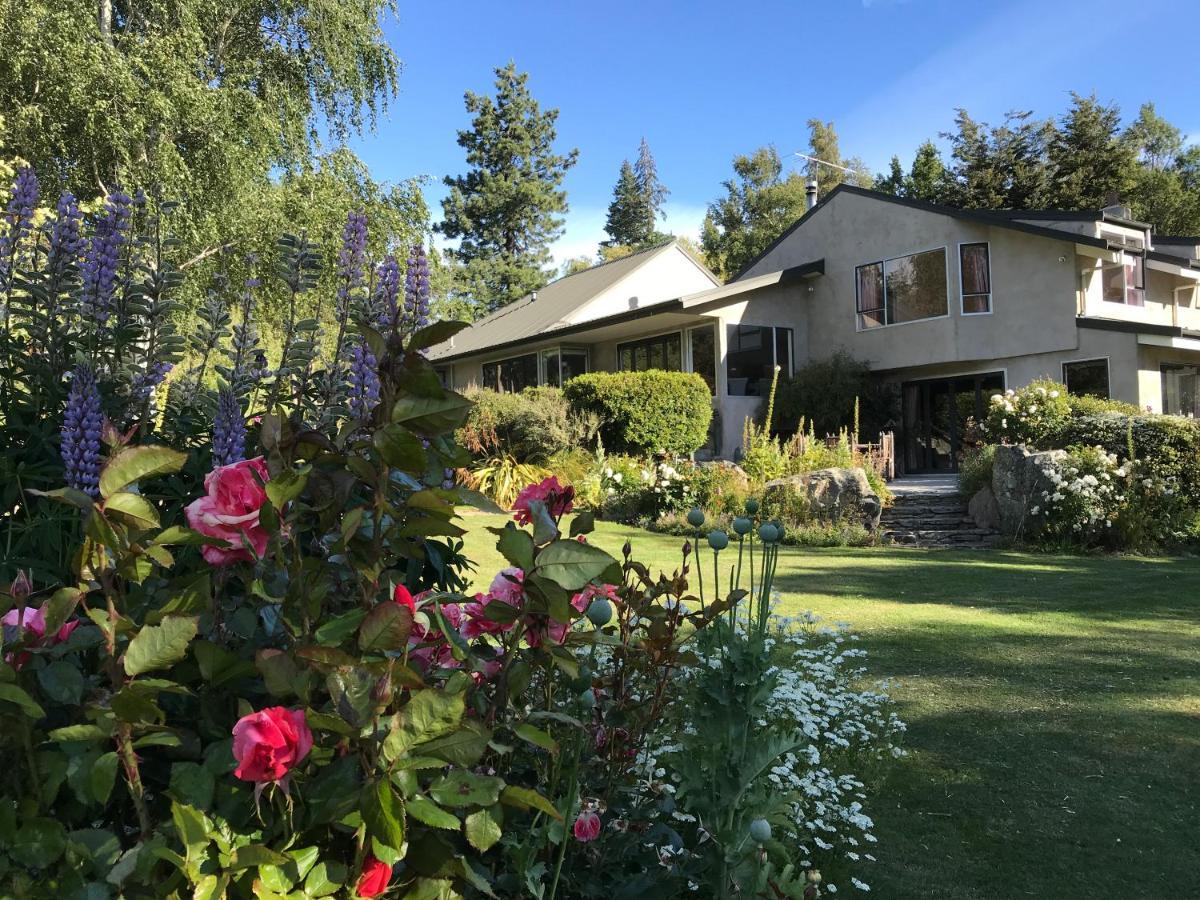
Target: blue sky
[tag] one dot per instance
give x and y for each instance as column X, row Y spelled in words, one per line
column 704, row 81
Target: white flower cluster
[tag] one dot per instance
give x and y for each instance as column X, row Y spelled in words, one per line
column 1019, row 416
column 1083, row 492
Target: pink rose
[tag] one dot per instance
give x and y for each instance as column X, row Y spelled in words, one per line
column 229, row 510
column 559, row 500
column 268, row 744
column 508, row 588
column 402, row 596
column 587, row 826
column 30, row 624
column 584, row 598
column 543, row 630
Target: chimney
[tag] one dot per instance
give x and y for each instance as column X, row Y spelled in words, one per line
column 533, row 297
column 810, row 193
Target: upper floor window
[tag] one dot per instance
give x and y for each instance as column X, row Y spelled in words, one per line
column 660, row 352
column 975, row 274
column 903, row 289
column 752, row 355
column 1125, row 280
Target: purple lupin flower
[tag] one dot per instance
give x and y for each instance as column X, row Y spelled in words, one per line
column 229, row 430
column 18, row 220
column 416, row 289
column 363, row 391
column 103, row 258
column 66, row 240
column 82, row 422
column 144, row 383
column 352, row 258
column 387, row 292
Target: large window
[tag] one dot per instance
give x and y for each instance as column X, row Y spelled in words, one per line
column 561, row 365
column 1125, row 281
column 753, row 353
column 975, row 274
column 511, row 375
column 660, row 352
column 904, row 289
column 1181, row 390
column 702, row 342
column 1086, row 377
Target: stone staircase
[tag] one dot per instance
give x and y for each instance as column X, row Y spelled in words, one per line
column 928, row 511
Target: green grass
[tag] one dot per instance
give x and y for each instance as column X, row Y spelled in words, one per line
column 1053, row 705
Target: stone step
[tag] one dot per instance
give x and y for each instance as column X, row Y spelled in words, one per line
column 934, row 520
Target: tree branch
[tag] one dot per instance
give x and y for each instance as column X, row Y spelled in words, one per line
column 205, row 254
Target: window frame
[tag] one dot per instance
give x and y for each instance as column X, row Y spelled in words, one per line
column 1130, row 259
column 716, row 348
column 646, row 340
column 1163, row 368
column 774, row 342
column 537, row 359
column 882, row 263
column 962, row 287
column 1088, row 359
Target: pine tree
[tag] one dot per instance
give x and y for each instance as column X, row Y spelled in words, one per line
column 1091, row 161
column 759, row 204
column 626, row 225
column 505, row 212
column 893, row 182
column 928, row 178
column 653, row 192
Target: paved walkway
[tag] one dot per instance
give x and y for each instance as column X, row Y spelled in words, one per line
column 925, row 485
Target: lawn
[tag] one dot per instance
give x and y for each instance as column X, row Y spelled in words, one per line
column 1053, row 705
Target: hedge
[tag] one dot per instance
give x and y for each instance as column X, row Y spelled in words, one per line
column 645, row 412
column 530, row 426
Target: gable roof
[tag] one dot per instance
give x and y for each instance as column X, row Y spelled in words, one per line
column 549, row 308
column 997, row 218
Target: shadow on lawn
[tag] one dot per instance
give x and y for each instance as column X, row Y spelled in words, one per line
column 1104, row 587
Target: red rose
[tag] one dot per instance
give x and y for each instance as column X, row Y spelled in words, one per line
column 229, row 510
column 269, row 743
column 404, row 598
column 374, row 878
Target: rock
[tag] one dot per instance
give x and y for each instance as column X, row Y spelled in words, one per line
column 1018, row 482
column 984, row 510
column 830, row 494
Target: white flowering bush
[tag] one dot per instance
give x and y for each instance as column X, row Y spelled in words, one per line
column 1093, row 498
column 1031, row 415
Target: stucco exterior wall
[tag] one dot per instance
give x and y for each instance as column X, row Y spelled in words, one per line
column 1034, row 294
column 668, row 275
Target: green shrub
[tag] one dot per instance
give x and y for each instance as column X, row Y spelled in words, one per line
column 644, row 413
column 823, row 393
column 530, row 426
column 1086, row 405
column 1032, row 415
column 975, row 470
column 721, row 487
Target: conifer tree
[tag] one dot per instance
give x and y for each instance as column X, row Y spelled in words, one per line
column 506, row 210
column 1090, row 159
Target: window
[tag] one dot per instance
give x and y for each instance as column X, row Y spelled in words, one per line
column 661, row 352
column 443, row 375
column 511, row 375
column 904, row 289
column 560, row 365
column 1181, row 390
column 703, row 344
column 975, row 274
column 753, row 353
column 1125, row 281
column 574, row 362
column 1087, row 378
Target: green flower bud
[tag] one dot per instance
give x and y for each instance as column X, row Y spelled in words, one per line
column 588, row 698
column 760, row 831
column 600, row 612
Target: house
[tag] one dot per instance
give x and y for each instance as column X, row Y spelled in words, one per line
column 948, row 305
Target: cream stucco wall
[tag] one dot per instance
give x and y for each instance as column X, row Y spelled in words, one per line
column 668, row 275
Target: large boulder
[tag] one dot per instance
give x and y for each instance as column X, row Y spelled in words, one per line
column 1018, row 481
column 831, row 494
column 984, row 509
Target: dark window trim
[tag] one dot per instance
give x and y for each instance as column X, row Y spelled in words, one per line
column 962, row 286
column 647, row 339
column 791, row 344
column 1090, row 359
column 944, row 248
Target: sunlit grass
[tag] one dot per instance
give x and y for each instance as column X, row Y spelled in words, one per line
column 1053, row 705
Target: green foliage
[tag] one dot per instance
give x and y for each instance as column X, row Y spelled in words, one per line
column 758, row 205
column 975, row 470
column 823, row 144
column 1088, row 156
column 637, row 203
column 502, row 477
column 1087, row 405
column 505, row 212
column 824, row 393
column 531, row 426
column 645, row 412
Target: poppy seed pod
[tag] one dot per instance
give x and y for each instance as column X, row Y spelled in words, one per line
column 751, row 506
column 718, row 540
column 695, row 517
column 742, row 525
column 600, row 612
column 768, row 533
column 760, row 831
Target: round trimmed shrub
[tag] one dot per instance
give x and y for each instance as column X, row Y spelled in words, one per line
column 645, row 412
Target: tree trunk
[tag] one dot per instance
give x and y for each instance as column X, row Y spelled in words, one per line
column 104, row 20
